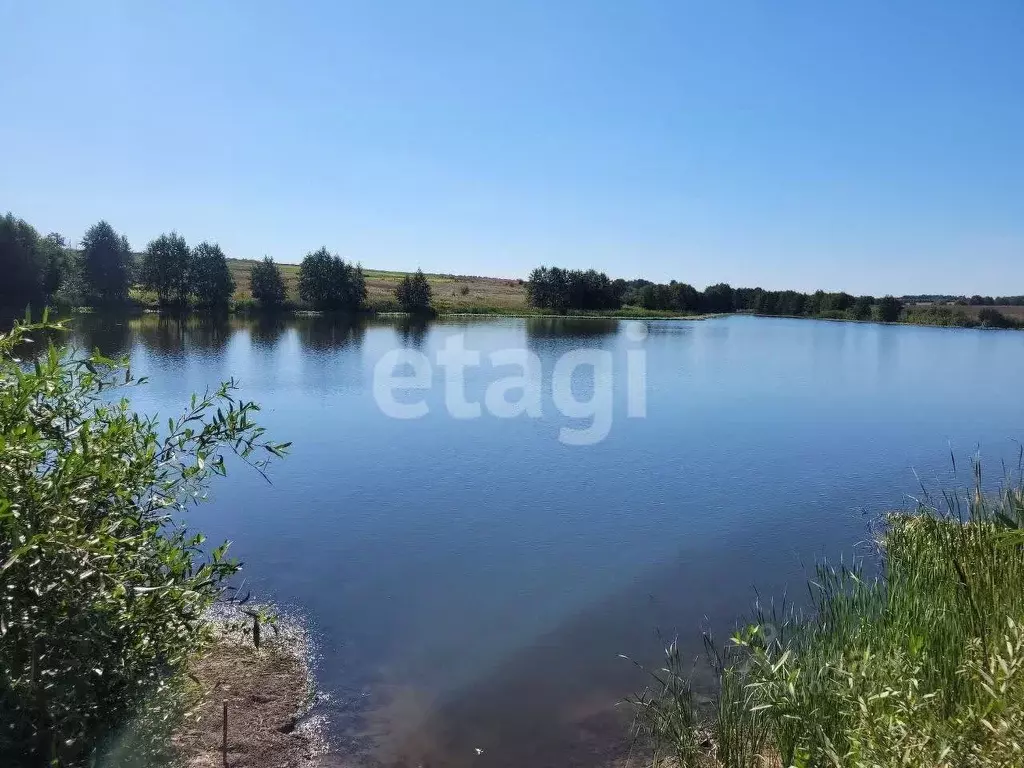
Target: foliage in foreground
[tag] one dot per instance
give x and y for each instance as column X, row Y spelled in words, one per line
column 921, row 667
column 103, row 590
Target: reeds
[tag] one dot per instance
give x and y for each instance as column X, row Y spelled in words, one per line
column 922, row 665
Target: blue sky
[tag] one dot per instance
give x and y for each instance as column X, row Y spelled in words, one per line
column 868, row 146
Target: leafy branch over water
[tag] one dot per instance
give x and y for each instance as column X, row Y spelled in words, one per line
column 103, row 590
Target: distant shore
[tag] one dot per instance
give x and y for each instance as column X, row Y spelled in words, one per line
column 625, row 313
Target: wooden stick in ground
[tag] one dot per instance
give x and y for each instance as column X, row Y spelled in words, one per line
column 224, row 743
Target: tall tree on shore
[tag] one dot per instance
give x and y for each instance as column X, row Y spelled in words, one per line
column 413, row 293
column 22, row 263
column 106, row 264
column 58, row 262
column 165, row 268
column 212, row 283
column 266, row 284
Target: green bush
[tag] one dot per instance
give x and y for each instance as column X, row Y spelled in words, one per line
column 889, row 309
column 164, row 269
column 950, row 317
column 211, row 279
column 993, row 318
column 326, row 281
column 413, row 293
column 104, row 591
column 266, row 284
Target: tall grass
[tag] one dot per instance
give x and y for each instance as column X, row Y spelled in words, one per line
column 922, row 665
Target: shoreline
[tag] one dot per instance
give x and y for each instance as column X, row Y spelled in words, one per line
column 497, row 313
column 251, row 706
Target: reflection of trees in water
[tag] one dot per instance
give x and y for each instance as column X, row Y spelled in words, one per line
column 413, row 331
column 209, row 333
column 570, row 327
column 173, row 335
column 556, row 335
column 162, row 334
column 266, row 328
column 111, row 334
column 329, row 331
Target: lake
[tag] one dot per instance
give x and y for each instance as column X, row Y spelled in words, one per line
column 471, row 580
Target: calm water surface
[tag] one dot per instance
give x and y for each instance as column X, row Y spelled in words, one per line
column 472, row 582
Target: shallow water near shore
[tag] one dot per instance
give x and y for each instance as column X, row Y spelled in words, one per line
column 472, row 582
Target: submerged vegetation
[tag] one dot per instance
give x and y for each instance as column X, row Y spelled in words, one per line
column 105, row 592
column 921, row 666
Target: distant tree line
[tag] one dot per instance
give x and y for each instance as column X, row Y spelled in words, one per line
column 974, row 301
column 563, row 289
column 38, row 269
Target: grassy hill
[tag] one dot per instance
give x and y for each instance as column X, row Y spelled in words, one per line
column 452, row 293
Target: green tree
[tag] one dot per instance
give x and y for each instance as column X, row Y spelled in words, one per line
column 266, row 284
column 165, row 268
column 58, row 262
column 23, row 263
column 562, row 289
column 889, row 309
column 839, row 302
column 413, row 293
column 104, row 589
column 106, row 264
column 212, row 283
column 718, row 298
column 816, row 303
column 685, row 297
column 326, row 281
column 862, row 307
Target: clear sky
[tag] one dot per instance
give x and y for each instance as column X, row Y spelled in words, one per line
column 867, row 146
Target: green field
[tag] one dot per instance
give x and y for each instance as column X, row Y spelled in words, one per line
column 467, row 294
column 451, row 293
